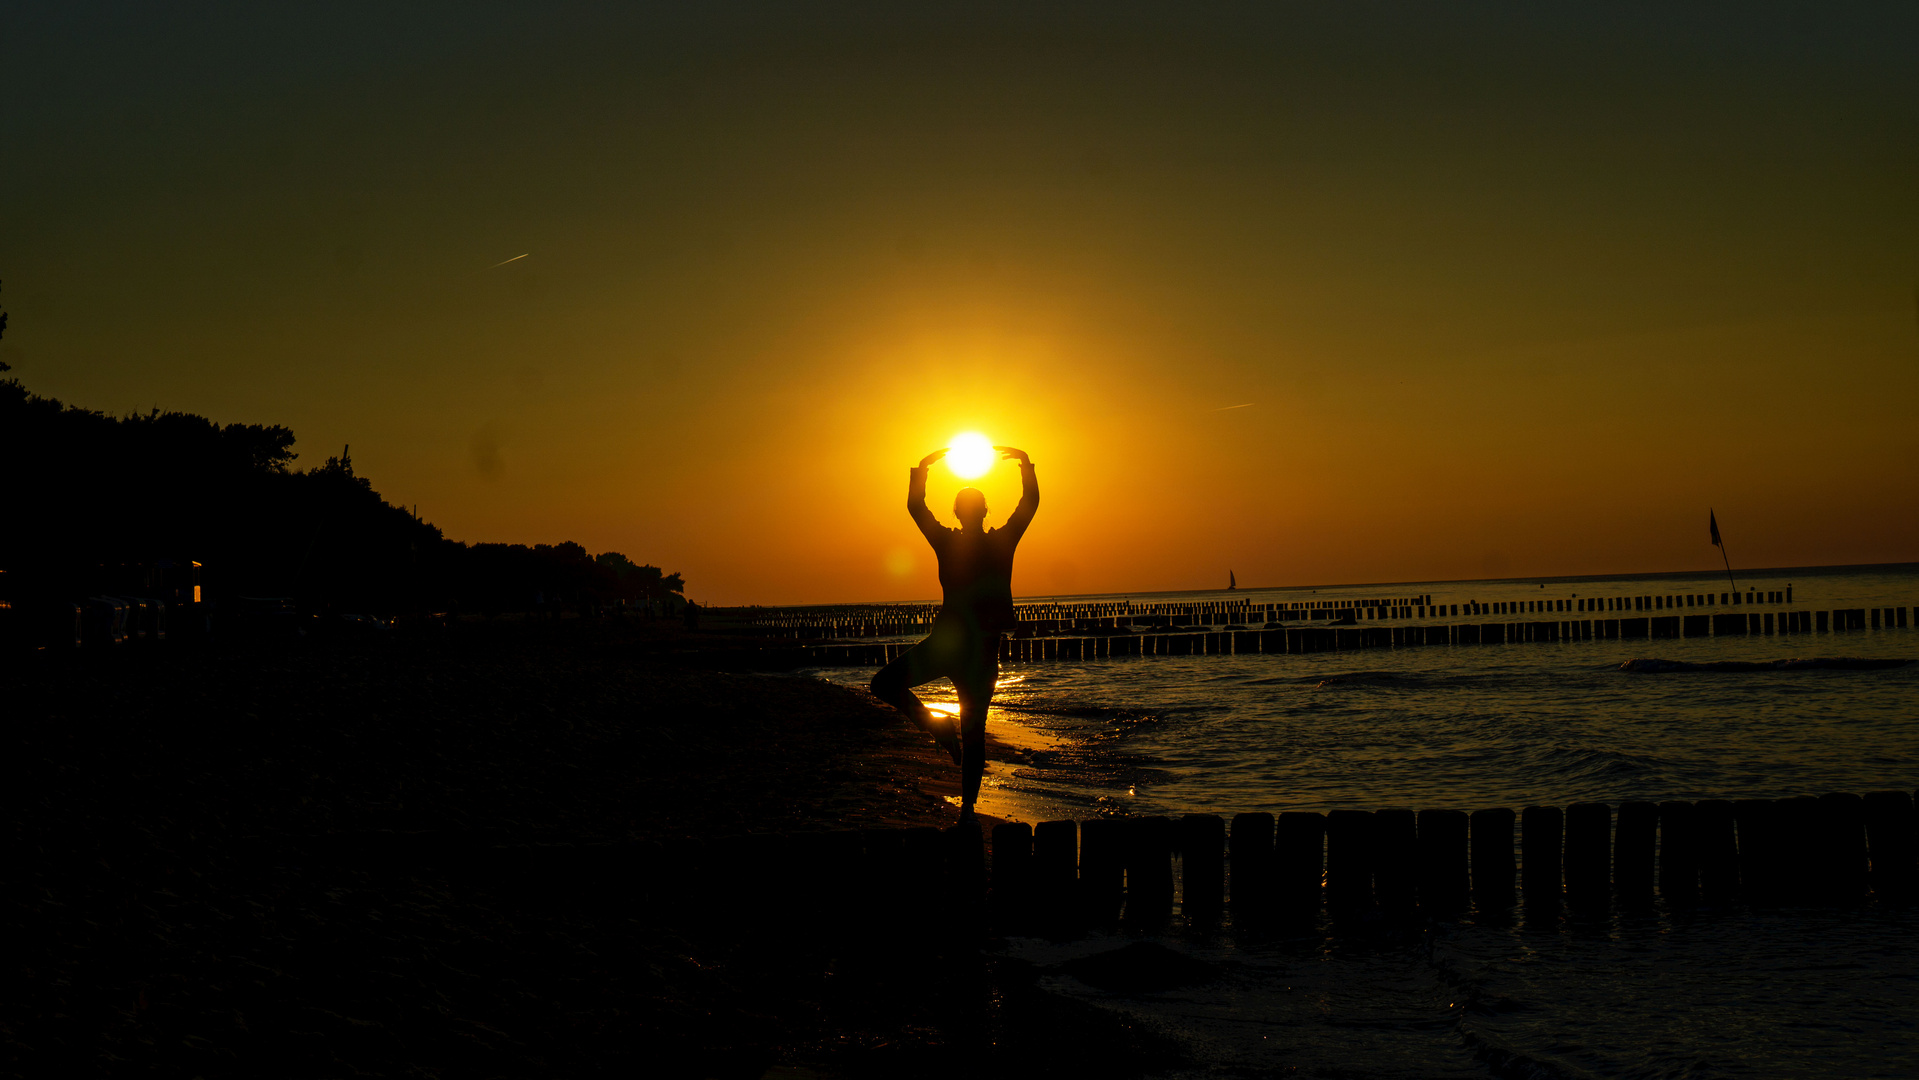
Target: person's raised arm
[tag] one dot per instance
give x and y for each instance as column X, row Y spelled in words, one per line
column 916, row 496
column 1022, row 515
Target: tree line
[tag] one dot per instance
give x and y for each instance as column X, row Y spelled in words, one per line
column 93, row 496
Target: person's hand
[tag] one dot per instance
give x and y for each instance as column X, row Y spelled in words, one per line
column 1012, row 453
column 932, row 457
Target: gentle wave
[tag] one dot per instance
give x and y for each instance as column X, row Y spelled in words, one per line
column 1655, row 666
column 1411, row 680
column 1587, row 763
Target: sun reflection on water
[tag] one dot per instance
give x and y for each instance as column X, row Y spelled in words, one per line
column 942, row 701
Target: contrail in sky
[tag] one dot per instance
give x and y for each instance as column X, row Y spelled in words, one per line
column 1227, row 408
column 503, row 262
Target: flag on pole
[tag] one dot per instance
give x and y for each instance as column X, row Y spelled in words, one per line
column 1712, row 525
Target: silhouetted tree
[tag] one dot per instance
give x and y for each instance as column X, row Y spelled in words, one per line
column 642, row 582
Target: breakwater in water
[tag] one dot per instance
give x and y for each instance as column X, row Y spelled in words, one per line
column 1052, row 617
column 1068, row 617
column 1259, row 868
column 1039, row 642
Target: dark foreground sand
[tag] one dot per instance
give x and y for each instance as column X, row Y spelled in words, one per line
column 294, row 859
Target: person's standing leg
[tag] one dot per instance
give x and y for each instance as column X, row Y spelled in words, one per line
column 975, row 688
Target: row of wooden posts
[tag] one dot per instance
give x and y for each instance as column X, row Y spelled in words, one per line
column 1586, row 859
column 1834, row 848
column 1310, row 639
column 844, row 621
column 885, row 620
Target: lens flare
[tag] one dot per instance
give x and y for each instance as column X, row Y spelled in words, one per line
column 970, row 455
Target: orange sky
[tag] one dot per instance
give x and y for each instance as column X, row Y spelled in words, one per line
column 1505, row 292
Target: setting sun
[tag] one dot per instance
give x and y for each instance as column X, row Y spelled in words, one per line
column 970, row 455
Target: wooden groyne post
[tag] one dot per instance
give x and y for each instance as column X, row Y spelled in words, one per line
column 1493, row 868
column 1541, row 831
column 1202, row 853
column 1634, row 846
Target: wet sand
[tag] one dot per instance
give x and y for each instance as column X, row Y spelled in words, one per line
column 433, row 855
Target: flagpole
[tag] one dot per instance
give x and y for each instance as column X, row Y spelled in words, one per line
column 1723, row 555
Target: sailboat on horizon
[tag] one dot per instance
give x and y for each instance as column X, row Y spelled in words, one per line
column 1231, row 581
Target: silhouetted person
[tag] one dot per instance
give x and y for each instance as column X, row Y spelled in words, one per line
column 976, row 578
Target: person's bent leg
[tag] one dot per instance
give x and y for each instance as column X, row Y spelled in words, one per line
column 894, row 685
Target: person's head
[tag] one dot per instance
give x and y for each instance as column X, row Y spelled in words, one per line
column 970, row 507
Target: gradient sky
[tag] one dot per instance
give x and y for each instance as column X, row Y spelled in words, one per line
column 1508, row 289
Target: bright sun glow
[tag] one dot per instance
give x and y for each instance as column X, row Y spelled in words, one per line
column 970, row 455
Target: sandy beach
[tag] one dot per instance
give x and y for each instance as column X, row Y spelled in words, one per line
column 284, row 858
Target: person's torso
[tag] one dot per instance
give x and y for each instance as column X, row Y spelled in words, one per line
column 976, row 576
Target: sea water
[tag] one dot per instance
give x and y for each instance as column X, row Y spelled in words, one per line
column 1720, row 992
